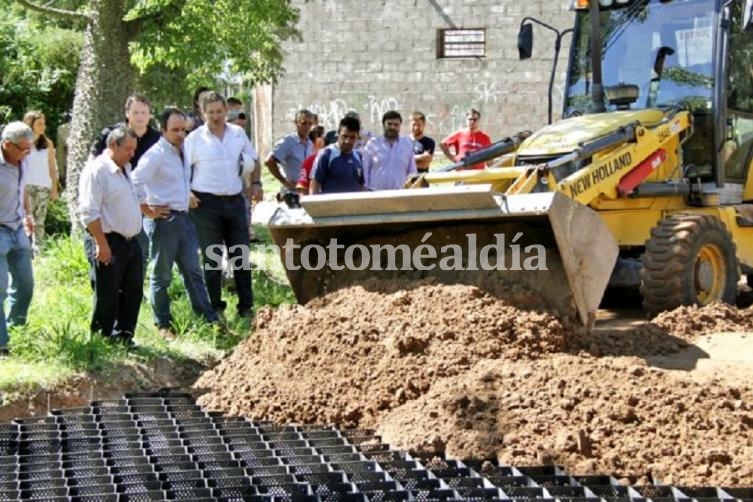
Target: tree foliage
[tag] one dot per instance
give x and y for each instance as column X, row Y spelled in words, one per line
column 175, row 46
column 205, row 38
column 189, row 42
column 38, row 65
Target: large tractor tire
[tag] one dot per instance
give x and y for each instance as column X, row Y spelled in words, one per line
column 689, row 260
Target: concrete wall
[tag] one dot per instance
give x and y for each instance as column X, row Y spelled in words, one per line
column 373, row 56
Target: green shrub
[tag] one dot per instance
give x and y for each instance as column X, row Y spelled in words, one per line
column 58, row 220
column 57, row 335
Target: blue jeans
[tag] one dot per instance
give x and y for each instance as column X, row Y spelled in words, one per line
column 222, row 220
column 15, row 259
column 174, row 240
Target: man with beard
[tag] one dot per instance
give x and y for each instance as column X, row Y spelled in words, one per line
column 388, row 160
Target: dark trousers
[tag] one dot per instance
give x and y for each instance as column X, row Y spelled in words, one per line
column 222, row 220
column 118, row 286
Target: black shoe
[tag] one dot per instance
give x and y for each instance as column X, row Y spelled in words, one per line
column 125, row 339
column 247, row 313
column 4, row 352
column 129, row 344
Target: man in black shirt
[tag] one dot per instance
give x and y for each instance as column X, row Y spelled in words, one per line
column 138, row 111
column 423, row 146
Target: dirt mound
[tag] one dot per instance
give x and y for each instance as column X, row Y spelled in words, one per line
column 350, row 357
column 592, row 416
column 438, row 368
column 690, row 322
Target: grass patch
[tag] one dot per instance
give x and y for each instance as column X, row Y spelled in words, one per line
column 56, row 342
column 18, row 377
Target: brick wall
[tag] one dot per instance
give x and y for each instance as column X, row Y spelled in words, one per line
column 373, row 56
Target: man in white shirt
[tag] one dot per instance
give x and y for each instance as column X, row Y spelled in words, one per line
column 388, row 160
column 138, row 113
column 110, row 211
column 162, row 185
column 218, row 155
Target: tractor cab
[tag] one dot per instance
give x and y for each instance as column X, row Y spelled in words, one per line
column 695, row 54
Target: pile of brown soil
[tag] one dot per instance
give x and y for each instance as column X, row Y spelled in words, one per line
column 451, row 369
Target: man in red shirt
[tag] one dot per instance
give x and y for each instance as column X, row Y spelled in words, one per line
column 304, row 179
column 466, row 141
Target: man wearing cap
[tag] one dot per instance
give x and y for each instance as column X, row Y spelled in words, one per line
column 289, row 152
column 15, row 227
column 237, row 117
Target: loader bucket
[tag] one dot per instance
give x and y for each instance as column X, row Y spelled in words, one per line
column 540, row 251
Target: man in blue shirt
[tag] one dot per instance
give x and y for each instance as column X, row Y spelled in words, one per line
column 289, row 152
column 339, row 168
column 15, row 227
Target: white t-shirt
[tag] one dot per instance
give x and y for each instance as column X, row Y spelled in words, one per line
column 38, row 173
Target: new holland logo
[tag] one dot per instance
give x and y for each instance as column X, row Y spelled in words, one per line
column 589, row 179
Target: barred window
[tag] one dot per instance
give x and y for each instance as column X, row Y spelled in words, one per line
column 461, row 43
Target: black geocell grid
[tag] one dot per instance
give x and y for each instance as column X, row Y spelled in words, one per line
column 162, row 446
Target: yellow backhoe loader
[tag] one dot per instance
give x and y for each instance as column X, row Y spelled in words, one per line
column 643, row 184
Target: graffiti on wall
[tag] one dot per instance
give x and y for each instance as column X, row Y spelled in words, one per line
column 329, row 113
column 380, row 106
column 371, row 110
column 487, row 92
column 445, row 119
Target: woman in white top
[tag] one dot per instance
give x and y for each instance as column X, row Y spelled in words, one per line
column 42, row 175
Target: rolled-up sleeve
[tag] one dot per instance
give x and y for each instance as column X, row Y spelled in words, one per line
column 188, row 151
column 281, row 149
column 89, row 196
column 148, row 165
column 411, row 168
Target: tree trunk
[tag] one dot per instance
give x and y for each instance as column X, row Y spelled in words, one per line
column 105, row 79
